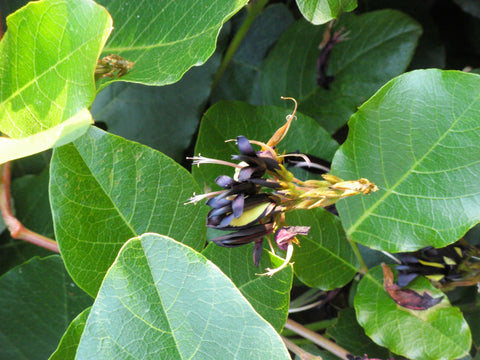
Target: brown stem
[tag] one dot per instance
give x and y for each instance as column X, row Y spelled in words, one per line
column 297, row 350
column 16, row 228
column 317, row 339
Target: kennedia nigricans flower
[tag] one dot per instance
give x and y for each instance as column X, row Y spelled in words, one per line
column 252, row 202
column 451, row 266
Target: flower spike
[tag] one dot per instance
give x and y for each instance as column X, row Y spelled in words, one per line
column 253, row 200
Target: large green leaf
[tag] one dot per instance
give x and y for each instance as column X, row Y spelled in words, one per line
column 164, row 38
column 161, row 299
column 322, row 11
column 105, row 190
column 439, row 333
column 226, row 120
column 170, row 113
column 270, row 296
column 37, row 302
column 378, row 47
column 324, row 259
column 47, row 60
column 417, row 139
column 67, row 348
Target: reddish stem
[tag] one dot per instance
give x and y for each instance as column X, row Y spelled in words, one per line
column 16, row 228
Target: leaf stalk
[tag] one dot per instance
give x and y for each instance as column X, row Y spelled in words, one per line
column 318, row 339
column 16, row 228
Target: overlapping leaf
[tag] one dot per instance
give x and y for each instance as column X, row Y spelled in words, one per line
column 324, row 258
column 439, row 333
column 37, row 301
column 104, row 190
column 170, row 113
column 378, row 46
column 417, row 140
column 270, row 296
column 47, row 61
column 161, row 299
column 67, row 348
column 61, row 134
column 227, row 120
column 322, row 11
column 165, row 38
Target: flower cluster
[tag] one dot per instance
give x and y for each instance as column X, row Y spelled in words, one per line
column 454, row 265
column 252, row 203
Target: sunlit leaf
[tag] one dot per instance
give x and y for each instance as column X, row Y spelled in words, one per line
column 322, row 11
column 61, row 134
column 161, row 299
column 47, row 60
column 104, row 190
column 165, row 38
column 417, row 140
column 439, row 333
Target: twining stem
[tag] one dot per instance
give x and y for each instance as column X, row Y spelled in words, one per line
column 356, row 251
column 297, row 350
column 253, row 9
column 321, row 341
column 16, row 228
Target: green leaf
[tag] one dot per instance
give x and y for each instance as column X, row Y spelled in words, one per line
column 351, row 336
column 37, row 301
column 226, row 120
column 105, row 190
column 162, row 299
column 171, row 120
column 324, row 259
column 378, row 47
column 47, row 60
column 61, row 134
column 67, row 348
column 322, row 11
column 270, row 296
column 165, row 38
column 417, row 140
column 439, row 333
column 241, row 79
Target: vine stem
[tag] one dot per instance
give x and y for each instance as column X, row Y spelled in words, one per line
column 297, row 350
column 318, row 339
column 254, row 8
column 16, row 228
column 356, row 251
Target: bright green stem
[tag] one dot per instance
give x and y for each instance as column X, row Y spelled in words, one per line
column 356, row 251
column 253, row 9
